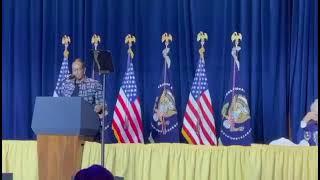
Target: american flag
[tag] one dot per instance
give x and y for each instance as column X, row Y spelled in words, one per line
column 63, row 74
column 198, row 122
column 127, row 123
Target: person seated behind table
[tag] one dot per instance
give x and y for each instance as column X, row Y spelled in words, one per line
column 80, row 85
column 308, row 130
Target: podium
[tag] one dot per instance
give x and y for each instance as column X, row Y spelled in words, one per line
column 62, row 124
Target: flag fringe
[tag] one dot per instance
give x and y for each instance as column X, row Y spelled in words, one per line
column 185, row 135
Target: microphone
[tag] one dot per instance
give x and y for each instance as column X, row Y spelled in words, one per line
column 71, row 76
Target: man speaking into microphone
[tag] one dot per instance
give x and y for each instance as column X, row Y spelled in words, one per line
column 78, row 85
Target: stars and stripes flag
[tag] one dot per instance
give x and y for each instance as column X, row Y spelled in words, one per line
column 127, row 122
column 63, row 74
column 198, row 122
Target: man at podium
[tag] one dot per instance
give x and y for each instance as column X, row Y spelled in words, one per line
column 79, row 85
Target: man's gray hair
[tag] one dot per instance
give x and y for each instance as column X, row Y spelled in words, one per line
column 79, row 60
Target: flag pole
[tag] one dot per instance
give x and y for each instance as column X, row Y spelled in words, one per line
column 102, row 121
column 129, row 39
column 166, row 38
column 95, row 40
column 235, row 38
column 202, row 37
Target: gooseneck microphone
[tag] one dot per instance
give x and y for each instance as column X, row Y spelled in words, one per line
column 71, row 76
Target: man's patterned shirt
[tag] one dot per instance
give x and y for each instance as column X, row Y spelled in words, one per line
column 89, row 89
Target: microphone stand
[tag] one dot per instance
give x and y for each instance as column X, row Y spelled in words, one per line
column 95, row 56
column 102, row 121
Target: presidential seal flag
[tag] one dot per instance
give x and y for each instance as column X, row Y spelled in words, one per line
column 64, row 69
column 198, row 122
column 236, row 128
column 127, row 122
column 164, row 125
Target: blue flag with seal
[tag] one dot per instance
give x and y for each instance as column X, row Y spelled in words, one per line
column 165, row 121
column 236, row 128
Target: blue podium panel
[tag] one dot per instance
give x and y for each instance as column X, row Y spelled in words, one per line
column 64, row 116
column 7, row 176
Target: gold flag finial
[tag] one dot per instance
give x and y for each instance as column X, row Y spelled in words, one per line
column 130, row 39
column 66, row 41
column 236, row 38
column 95, row 40
column 166, row 38
column 202, row 37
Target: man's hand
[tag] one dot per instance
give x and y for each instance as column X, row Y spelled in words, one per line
column 311, row 116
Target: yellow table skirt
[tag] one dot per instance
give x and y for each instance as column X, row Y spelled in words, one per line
column 179, row 161
column 189, row 162
column 20, row 158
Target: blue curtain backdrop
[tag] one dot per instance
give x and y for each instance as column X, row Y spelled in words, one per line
column 279, row 57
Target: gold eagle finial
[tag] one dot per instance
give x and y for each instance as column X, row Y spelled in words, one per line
column 95, row 40
column 166, row 38
column 66, row 41
column 236, row 38
column 130, row 39
column 202, row 37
